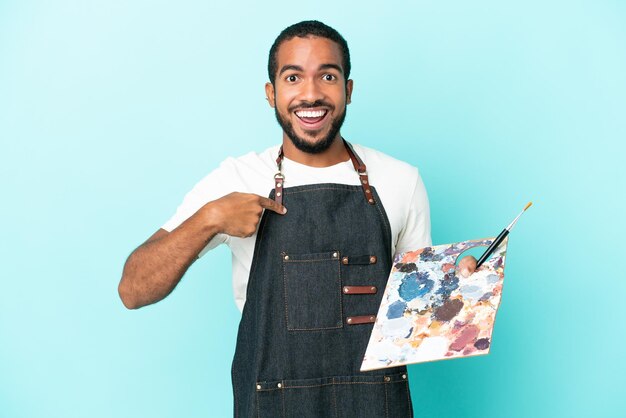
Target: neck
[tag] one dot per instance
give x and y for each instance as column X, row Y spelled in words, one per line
column 335, row 154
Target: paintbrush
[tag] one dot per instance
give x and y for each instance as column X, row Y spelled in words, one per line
column 500, row 238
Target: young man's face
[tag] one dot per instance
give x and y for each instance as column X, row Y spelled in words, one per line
column 310, row 94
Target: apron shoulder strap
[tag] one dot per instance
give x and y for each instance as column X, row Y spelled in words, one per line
column 359, row 167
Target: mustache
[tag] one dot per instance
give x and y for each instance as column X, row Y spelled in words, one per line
column 308, row 105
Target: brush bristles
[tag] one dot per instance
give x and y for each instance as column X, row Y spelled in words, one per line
column 528, row 205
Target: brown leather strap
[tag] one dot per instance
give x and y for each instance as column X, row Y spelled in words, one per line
column 359, row 290
column 356, row 160
column 359, row 259
column 279, row 179
column 362, row 169
column 358, row 164
column 364, row 319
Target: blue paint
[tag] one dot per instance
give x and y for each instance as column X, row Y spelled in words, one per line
column 409, row 333
column 493, row 278
column 415, row 285
column 396, row 309
column 486, row 296
column 449, row 283
column 470, row 289
column 427, row 254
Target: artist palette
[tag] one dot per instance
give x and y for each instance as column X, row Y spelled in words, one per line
column 430, row 312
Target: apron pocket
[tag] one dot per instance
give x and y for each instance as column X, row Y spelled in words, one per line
column 373, row 396
column 312, row 291
column 363, row 396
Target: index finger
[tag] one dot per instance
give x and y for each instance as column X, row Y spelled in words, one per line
column 272, row 205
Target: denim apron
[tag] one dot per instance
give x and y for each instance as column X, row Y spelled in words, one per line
column 316, row 280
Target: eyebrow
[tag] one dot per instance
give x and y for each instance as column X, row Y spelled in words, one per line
column 299, row 68
column 331, row 66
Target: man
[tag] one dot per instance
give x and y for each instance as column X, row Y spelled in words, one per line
column 310, row 261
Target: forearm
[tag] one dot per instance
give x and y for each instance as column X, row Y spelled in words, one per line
column 154, row 269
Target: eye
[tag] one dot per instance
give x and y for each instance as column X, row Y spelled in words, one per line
column 329, row 77
column 292, row 78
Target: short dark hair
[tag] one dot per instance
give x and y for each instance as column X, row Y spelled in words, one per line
column 302, row 30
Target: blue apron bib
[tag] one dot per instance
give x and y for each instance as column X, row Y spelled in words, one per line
column 316, row 281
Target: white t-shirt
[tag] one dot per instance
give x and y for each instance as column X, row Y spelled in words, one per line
column 398, row 184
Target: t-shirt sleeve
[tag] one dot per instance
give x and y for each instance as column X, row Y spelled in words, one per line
column 416, row 231
column 206, row 190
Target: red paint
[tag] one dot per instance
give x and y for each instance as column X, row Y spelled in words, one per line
column 467, row 335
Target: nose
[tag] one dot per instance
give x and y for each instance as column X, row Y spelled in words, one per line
column 311, row 91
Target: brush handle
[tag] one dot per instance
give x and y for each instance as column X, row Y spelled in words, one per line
column 496, row 242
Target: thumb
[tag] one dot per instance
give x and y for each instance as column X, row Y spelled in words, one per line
column 467, row 265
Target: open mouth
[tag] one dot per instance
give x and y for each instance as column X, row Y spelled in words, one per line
column 312, row 119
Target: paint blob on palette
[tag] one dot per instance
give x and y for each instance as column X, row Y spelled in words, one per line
column 429, row 311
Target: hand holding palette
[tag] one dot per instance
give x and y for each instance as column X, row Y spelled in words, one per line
column 428, row 312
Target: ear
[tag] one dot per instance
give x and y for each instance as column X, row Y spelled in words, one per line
column 269, row 94
column 349, row 86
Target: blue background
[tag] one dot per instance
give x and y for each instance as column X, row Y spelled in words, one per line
column 111, row 110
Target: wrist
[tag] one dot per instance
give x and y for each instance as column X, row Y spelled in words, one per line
column 210, row 220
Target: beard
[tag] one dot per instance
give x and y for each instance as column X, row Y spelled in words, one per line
column 302, row 144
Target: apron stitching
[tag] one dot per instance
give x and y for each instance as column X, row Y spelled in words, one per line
column 383, row 217
column 335, row 397
column 253, row 269
column 232, row 368
column 328, row 384
column 321, row 188
column 282, row 392
column 408, row 397
column 258, row 413
column 340, row 295
column 285, row 297
column 386, row 402
column 256, row 250
column 314, row 329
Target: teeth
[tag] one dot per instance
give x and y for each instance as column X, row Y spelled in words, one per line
column 310, row 113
